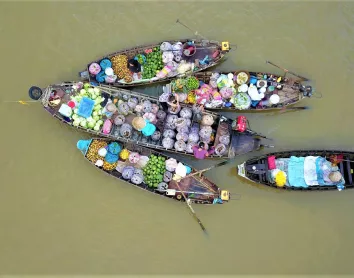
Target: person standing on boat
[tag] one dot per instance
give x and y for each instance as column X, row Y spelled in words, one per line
column 135, row 67
column 201, row 151
column 198, row 110
column 170, row 100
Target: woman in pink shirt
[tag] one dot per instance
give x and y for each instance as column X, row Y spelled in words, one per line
column 201, row 151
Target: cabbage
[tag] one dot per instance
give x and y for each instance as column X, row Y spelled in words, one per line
column 76, row 110
column 76, row 122
column 96, row 90
column 90, row 91
column 99, row 112
column 94, row 113
column 91, row 124
column 93, row 97
column 96, row 128
column 99, row 122
column 97, row 101
column 96, row 118
column 97, row 107
column 82, row 92
column 83, row 123
column 89, row 119
column 75, row 117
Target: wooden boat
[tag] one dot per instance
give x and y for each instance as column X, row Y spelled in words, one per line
column 206, row 54
column 228, row 143
column 297, row 166
column 197, row 188
column 280, row 91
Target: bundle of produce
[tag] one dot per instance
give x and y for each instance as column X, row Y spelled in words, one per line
column 241, row 101
column 154, row 171
column 153, row 63
column 120, row 67
column 94, row 121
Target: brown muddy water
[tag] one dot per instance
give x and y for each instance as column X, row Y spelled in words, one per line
column 59, row 215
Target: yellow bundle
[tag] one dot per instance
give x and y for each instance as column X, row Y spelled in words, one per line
column 124, row 154
column 280, row 179
column 191, row 98
column 109, row 166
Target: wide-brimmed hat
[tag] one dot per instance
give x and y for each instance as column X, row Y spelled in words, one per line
column 111, row 107
column 138, row 123
column 335, row 176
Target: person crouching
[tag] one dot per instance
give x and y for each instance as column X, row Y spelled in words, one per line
column 201, row 151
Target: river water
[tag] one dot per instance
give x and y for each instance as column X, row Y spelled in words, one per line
column 58, row 215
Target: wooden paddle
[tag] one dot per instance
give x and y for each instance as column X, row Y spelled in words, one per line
column 195, row 33
column 285, row 70
column 188, row 201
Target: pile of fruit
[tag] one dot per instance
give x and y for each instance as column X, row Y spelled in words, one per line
column 120, row 67
column 178, row 85
column 95, row 120
column 153, row 63
column 185, row 85
column 92, row 153
column 192, row 83
column 154, row 170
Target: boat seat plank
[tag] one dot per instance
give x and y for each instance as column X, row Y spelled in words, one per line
column 350, row 178
column 341, row 167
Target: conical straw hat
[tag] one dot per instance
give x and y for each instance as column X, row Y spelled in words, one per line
column 138, row 123
column 335, row 176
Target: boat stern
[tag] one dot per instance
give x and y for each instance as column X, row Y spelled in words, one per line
column 241, row 170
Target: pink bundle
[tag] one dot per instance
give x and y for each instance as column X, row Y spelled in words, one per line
column 226, row 92
column 94, row 68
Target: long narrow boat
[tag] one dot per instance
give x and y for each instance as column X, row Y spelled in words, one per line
column 151, row 171
column 156, row 62
column 109, row 112
column 301, row 170
column 241, row 90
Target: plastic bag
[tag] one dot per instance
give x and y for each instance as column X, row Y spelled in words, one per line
column 171, row 164
column 181, row 170
column 242, row 101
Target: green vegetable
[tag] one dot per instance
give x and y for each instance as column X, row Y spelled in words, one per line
column 192, row 83
column 154, row 170
column 153, row 64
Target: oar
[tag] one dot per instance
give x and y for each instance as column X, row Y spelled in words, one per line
column 195, row 33
column 209, row 168
column 192, row 210
column 298, row 108
column 188, row 201
column 304, row 78
column 295, row 108
column 24, row 102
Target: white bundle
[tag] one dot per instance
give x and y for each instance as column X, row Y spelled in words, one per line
column 165, row 46
column 167, row 57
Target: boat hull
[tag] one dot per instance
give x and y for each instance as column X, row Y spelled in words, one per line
column 205, row 48
column 197, row 188
column 245, row 169
column 240, row 143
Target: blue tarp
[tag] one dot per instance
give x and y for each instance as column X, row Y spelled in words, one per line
column 296, row 172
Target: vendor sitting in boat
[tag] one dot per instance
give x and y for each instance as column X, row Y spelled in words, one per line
column 135, row 67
